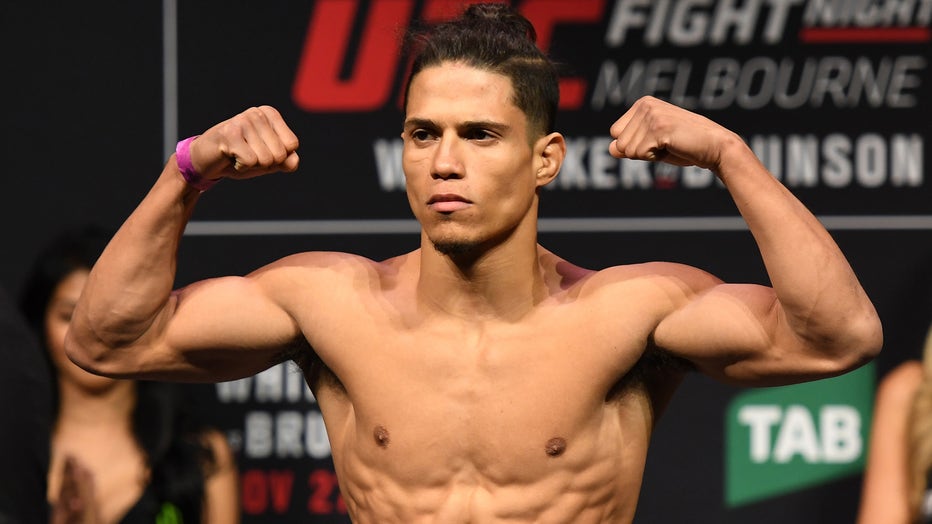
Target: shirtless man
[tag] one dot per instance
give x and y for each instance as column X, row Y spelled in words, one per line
column 480, row 378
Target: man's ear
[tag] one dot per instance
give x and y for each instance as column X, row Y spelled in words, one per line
column 549, row 152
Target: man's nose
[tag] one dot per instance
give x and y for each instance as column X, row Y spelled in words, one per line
column 447, row 160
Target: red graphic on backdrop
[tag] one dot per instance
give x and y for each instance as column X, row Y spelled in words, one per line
column 325, row 493
column 862, row 35
column 263, row 491
column 271, row 492
column 329, row 80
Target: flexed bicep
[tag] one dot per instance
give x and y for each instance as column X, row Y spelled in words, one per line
column 227, row 328
column 739, row 334
column 213, row 330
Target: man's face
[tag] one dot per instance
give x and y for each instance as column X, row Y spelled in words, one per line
column 468, row 161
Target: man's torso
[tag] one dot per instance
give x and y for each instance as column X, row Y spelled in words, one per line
column 545, row 418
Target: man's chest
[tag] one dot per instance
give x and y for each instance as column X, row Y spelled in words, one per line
column 469, row 358
column 545, row 372
column 430, row 418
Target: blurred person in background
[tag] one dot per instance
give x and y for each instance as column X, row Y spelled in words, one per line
column 899, row 464
column 122, row 451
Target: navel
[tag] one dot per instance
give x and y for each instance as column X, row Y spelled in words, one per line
column 555, row 447
column 380, row 434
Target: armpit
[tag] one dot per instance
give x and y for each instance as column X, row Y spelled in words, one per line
column 300, row 352
column 654, row 365
column 316, row 373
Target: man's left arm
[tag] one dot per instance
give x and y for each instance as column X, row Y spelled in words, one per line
column 815, row 321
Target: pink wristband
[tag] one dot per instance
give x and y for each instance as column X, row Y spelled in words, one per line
column 190, row 175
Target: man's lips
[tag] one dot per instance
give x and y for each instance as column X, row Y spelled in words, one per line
column 448, row 202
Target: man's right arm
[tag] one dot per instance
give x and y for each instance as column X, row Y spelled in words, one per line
column 130, row 323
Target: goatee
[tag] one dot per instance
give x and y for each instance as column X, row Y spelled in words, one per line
column 454, row 248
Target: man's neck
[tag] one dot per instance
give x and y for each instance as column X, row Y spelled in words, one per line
column 503, row 282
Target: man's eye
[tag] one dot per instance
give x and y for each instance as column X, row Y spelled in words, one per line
column 420, row 134
column 478, row 134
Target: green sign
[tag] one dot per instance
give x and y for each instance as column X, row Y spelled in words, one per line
column 784, row 439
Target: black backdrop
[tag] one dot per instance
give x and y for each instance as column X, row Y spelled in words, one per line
column 86, row 98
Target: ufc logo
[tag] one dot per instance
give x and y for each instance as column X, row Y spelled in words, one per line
column 373, row 71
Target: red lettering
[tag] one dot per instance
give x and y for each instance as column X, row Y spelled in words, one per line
column 318, row 84
column 259, row 487
column 324, row 487
column 255, row 494
column 280, row 483
column 545, row 15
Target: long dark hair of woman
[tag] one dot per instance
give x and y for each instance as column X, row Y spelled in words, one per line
column 162, row 425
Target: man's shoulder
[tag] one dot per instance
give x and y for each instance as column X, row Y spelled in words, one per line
column 332, row 267
column 659, row 283
column 338, row 261
column 657, row 272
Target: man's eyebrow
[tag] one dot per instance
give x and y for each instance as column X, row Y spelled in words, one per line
column 420, row 122
column 413, row 123
column 498, row 127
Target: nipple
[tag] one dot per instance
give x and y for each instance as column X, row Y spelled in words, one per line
column 555, row 447
column 381, row 436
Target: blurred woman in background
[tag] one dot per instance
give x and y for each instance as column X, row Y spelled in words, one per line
column 122, row 451
column 899, row 464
